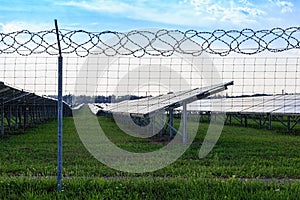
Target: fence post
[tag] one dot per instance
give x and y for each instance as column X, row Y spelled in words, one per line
column 59, row 113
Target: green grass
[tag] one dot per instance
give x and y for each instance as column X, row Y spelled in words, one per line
column 143, row 188
column 28, row 166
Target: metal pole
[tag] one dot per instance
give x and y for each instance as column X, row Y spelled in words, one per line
column 2, row 118
column 59, row 113
column 270, row 121
column 8, row 118
column 153, row 125
column 171, row 123
column 260, row 122
column 246, row 120
column 184, row 121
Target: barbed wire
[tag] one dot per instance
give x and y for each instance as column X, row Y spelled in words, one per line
column 150, row 42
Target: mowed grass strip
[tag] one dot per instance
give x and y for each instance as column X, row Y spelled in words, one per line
column 240, row 152
column 143, row 188
column 28, row 166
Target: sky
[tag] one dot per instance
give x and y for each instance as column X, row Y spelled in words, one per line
column 126, row 15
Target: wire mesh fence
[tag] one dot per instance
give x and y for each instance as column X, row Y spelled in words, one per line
column 146, row 79
column 111, row 66
column 251, row 75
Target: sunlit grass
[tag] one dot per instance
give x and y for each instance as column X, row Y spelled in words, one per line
column 241, row 153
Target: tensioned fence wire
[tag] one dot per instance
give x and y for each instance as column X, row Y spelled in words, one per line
column 83, row 43
column 28, row 60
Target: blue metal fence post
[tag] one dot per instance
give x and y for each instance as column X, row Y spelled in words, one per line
column 59, row 113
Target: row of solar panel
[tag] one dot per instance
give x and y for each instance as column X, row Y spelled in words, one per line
column 19, row 108
column 276, row 105
column 149, row 105
column 11, row 95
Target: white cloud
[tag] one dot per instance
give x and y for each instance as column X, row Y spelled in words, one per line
column 19, row 25
column 100, row 5
column 216, row 9
column 201, row 13
column 200, row 5
column 246, row 2
column 186, row 12
column 156, row 11
column 286, row 6
column 234, row 13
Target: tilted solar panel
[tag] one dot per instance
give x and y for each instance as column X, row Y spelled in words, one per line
column 150, row 105
column 275, row 104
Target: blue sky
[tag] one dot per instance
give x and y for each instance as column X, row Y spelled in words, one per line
column 117, row 15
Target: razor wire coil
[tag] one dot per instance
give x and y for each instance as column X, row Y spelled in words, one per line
column 139, row 43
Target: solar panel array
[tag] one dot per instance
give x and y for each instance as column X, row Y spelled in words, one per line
column 275, row 105
column 21, row 108
column 149, row 105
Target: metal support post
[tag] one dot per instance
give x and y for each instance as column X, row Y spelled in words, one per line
column 171, row 116
column 208, row 117
column 184, row 121
column 270, row 121
column 153, row 125
column 246, row 120
column 2, row 118
column 8, row 118
column 260, row 122
column 289, row 123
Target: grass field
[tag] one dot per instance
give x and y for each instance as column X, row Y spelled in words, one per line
column 246, row 163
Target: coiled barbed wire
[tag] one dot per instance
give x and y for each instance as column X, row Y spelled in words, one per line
column 148, row 42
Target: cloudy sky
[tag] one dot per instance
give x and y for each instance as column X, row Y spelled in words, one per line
column 124, row 15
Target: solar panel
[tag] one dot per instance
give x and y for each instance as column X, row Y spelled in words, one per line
column 276, row 104
column 18, row 105
column 224, row 104
column 291, row 105
column 150, row 105
column 94, row 108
